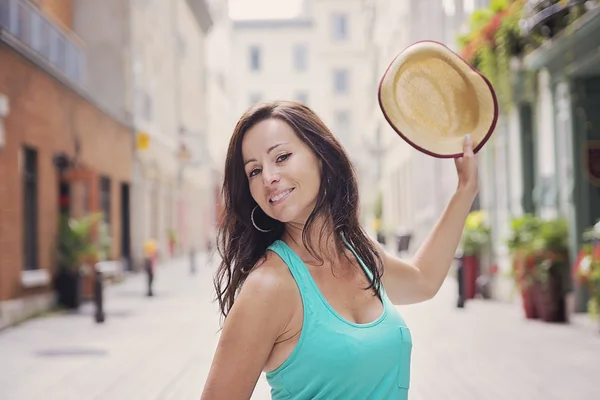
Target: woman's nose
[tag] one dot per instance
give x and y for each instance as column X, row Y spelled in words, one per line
column 270, row 176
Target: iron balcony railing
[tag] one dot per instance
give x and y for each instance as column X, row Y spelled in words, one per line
column 23, row 21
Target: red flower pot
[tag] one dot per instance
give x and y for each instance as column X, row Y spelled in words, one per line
column 529, row 303
column 471, row 270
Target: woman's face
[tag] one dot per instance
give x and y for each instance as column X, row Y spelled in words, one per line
column 283, row 172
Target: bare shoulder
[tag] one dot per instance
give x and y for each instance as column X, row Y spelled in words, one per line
column 259, row 315
column 270, row 280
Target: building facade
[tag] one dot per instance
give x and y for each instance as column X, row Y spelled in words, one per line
column 318, row 58
column 222, row 93
column 549, row 142
column 415, row 188
column 155, row 56
column 60, row 150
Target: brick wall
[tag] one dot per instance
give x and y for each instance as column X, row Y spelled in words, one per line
column 47, row 116
column 60, row 10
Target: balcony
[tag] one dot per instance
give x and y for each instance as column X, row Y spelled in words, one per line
column 26, row 28
column 547, row 16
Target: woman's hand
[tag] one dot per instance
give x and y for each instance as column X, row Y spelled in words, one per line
column 467, row 169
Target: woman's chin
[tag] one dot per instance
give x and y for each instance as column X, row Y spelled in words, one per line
column 286, row 216
column 291, row 214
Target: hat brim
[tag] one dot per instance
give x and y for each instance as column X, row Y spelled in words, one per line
column 449, row 148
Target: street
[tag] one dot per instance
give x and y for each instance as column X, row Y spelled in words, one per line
column 161, row 348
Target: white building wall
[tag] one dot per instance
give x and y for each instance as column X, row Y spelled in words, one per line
column 278, row 78
column 416, row 187
column 154, row 53
column 221, row 87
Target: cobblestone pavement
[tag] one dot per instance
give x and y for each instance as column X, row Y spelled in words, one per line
column 161, row 348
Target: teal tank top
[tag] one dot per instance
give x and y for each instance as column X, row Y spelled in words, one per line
column 337, row 359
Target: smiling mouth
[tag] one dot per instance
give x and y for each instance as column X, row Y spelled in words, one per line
column 280, row 197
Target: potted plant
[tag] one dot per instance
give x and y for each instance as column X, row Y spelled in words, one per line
column 74, row 247
column 550, row 252
column 523, row 231
column 475, row 238
column 587, row 268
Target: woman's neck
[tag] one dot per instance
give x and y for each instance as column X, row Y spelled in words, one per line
column 321, row 238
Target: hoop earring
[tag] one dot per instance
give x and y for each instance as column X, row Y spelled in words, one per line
column 254, row 223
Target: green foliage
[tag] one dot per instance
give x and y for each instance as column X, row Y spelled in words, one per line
column 553, row 236
column 523, row 232
column 82, row 238
column 496, row 37
column 476, row 234
column 537, row 247
column 592, row 233
column 588, row 268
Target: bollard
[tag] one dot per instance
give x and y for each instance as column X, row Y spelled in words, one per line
column 193, row 261
column 98, row 297
column 149, row 275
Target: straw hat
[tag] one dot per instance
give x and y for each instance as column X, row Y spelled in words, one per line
column 433, row 98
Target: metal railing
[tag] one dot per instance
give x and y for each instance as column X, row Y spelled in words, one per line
column 27, row 23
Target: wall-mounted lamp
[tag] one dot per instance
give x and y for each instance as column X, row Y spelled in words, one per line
column 4, row 109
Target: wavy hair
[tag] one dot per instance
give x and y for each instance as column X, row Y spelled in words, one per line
column 241, row 246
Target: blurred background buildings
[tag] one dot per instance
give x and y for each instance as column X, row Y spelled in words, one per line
column 126, row 107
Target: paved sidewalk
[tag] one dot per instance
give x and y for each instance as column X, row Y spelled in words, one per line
column 490, row 351
column 162, row 347
column 148, row 348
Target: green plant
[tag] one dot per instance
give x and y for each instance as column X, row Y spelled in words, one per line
column 587, row 268
column 75, row 240
column 551, row 247
column 495, row 37
column 523, row 232
column 476, row 234
column 593, row 233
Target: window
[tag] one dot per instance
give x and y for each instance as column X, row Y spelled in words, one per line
column 342, row 124
column 340, row 81
column 30, row 205
column 105, row 198
column 302, row 97
column 339, row 26
column 300, row 55
column 254, row 58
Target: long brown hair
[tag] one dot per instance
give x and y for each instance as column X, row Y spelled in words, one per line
column 241, row 246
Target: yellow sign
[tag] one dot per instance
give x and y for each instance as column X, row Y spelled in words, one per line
column 142, row 140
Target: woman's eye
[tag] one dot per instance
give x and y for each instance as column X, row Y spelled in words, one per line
column 283, row 157
column 254, row 172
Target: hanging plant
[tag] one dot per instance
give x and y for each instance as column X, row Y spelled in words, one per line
column 494, row 39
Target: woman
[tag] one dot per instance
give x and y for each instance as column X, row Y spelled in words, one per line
column 307, row 296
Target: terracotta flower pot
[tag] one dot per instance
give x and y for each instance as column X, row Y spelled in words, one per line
column 471, row 271
column 529, row 303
